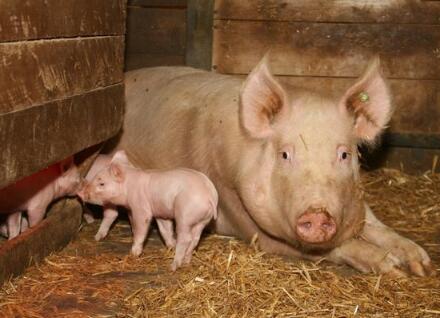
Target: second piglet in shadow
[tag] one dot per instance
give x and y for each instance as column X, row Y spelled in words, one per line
column 185, row 195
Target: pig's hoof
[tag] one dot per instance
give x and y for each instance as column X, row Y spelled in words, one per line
column 136, row 251
column 99, row 236
column 413, row 256
column 89, row 218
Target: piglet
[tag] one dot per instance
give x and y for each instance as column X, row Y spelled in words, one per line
column 185, row 195
column 34, row 193
column 110, row 212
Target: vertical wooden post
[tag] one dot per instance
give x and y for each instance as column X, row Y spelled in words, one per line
column 200, row 16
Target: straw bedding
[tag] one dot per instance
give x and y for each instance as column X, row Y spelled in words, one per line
column 228, row 278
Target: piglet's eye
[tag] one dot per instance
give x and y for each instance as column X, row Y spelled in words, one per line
column 101, row 184
column 343, row 153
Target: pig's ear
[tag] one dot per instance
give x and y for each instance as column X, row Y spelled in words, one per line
column 261, row 99
column 117, row 172
column 369, row 101
column 120, row 156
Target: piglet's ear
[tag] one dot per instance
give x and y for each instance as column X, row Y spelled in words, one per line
column 117, row 172
column 66, row 164
column 369, row 101
column 262, row 99
column 120, row 156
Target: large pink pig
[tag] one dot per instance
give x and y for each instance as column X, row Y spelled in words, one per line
column 183, row 195
column 284, row 159
column 34, row 193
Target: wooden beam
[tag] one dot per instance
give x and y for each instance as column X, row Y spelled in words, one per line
column 52, row 234
column 35, row 72
column 348, row 11
column 33, row 138
column 327, row 49
column 158, row 3
column 199, row 33
column 43, row 19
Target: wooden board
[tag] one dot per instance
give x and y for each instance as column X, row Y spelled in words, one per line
column 350, row 11
column 42, row 19
column 38, row 136
column 34, row 72
column 199, row 33
column 327, row 49
column 156, row 31
column 158, row 3
column 140, row 60
column 52, row 234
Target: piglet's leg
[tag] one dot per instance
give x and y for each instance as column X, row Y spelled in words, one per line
column 110, row 214
column 184, row 239
column 36, row 215
column 13, row 224
column 166, row 229
column 140, row 223
column 195, row 238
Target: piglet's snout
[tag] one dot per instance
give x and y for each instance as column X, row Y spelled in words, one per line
column 315, row 226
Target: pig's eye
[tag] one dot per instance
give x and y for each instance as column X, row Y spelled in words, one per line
column 343, row 153
column 285, row 155
column 101, row 184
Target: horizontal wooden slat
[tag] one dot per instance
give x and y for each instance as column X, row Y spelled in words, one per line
column 417, row 103
column 365, row 11
column 50, row 235
column 327, row 49
column 38, row 136
column 158, row 3
column 156, row 31
column 139, row 60
column 38, row 19
column 40, row 71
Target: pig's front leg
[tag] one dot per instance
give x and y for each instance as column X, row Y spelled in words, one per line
column 110, row 214
column 166, row 229
column 36, row 215
column 365, row 257
column 408, row 253
column 140, row 223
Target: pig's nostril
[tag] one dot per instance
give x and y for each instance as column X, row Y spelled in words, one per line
column 306, row 225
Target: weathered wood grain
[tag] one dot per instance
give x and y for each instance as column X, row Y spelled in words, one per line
column 199, row 33
column 52, row 234
column 156, row 31
column 40, row 71
column 42, row 19
column 327, row 49
column 139, row 60
column 350, row 11
column 33, row 138
column 158, row 3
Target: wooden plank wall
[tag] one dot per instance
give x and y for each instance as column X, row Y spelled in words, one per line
column 61, row 73
column 325, row 45
column 155, row 33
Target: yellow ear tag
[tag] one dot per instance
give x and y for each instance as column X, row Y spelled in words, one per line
column 363, row 97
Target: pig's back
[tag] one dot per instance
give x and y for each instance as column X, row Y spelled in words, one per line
column 178, row 116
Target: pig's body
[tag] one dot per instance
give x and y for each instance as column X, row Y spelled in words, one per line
column 34, row 193
column 186, row 196
column 284, row 160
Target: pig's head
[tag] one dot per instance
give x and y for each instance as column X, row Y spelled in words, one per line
column 69, row 180
column 108, row 185
column 299, row 178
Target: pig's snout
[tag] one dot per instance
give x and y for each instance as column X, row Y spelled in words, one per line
column 316, row 226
